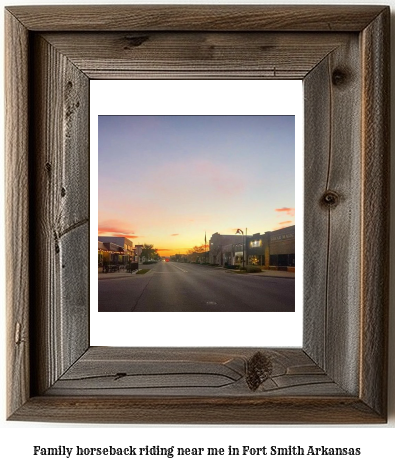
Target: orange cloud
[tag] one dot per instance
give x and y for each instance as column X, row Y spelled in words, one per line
column 286, row 222
column 288, row 210
column 115, row 228
column 106, row 233
column 174, row 234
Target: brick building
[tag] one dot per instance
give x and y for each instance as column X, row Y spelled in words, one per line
column 276, row 248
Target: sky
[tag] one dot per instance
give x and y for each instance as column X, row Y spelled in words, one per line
column 169, row 180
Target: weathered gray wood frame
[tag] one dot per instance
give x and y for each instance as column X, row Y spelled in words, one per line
column 342, row 54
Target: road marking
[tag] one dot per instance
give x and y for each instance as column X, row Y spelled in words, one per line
column 183, row 270
column 164, row 272
column 211, row 303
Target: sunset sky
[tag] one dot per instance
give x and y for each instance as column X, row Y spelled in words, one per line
column 168, row 180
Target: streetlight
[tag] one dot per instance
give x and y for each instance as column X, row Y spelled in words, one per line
column 242, row 239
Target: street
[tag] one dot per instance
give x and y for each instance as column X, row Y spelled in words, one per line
column 184, row 287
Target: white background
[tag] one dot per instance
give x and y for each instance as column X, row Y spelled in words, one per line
column 197, row 97
column 17, row 439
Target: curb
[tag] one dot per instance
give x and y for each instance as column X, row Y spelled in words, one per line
column 268, row 274
column 107, row 276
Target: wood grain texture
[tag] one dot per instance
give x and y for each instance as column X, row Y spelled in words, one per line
column 17, row 212
column 344, row 247
column 332, row 230
column 60, row 122
column 317, row 112
column 195, row 55
column 339, row 375
column 196, row 17
column 193, row 372
column 198, row 410
column 375, row 212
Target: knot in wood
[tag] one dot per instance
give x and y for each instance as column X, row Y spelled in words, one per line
column 330, row 199
column 18, row 334
column 339, row 77
column 135, row 41
column 259, row 369
column 120, row 375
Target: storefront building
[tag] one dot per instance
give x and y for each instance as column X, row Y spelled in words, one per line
column 272, row 250
column 115, row 250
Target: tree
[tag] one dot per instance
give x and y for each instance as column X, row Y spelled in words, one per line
column 197, row 249
column 149, row 252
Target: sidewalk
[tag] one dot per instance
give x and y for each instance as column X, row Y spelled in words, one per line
column 117, row 275
column 273, row 273
column 267, row 273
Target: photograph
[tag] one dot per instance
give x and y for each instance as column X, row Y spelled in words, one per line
column 196, row 213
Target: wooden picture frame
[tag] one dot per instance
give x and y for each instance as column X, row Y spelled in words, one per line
column 340, row 374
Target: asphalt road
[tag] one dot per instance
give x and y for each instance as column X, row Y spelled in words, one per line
column 179, row 287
